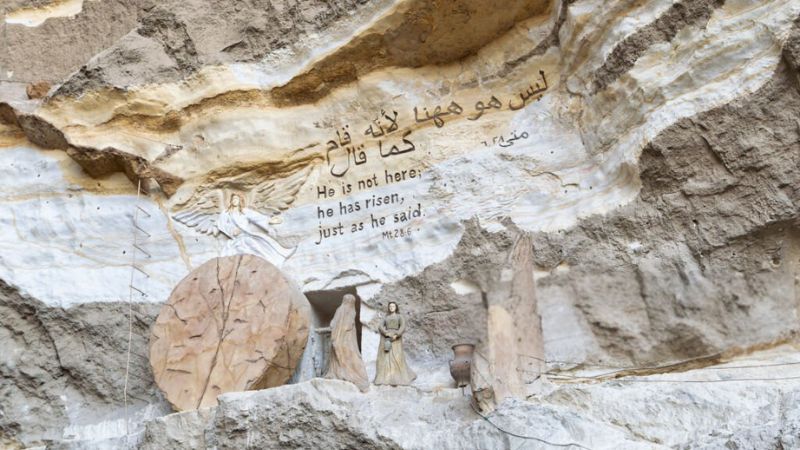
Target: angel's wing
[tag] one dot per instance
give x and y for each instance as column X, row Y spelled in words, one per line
column 277, row 195
column 202, row 214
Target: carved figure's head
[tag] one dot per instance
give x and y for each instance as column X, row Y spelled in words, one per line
column 392, row 307
column 237, row 201
column 349, row 298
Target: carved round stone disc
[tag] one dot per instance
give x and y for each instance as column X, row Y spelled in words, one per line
column 233, row 324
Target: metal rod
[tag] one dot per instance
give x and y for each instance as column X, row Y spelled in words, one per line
column 138, row 290
column 136, row 246
column 136, row 225
column 130, row 315
column 140, row 270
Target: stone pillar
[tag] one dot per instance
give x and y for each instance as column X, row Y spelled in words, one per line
column 513, row 357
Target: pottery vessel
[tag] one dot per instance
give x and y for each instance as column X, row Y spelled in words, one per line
column 461, row 363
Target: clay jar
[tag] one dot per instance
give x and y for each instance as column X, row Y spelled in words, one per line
column 461, row 363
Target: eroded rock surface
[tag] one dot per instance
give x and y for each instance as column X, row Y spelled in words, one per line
column 653, row 412
column 63, row 370
column 707, row 257
column 384, row 418
column 649, row 149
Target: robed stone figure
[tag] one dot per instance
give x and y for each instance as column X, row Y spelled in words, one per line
column 345, row 361
column 391, row 366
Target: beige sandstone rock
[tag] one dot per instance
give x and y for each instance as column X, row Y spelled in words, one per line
column 37, row 90
column 515, row 343
column 233, row 324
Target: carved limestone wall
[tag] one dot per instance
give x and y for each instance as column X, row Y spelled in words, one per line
column 628, row 170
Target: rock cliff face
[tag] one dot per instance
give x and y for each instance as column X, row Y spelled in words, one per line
column 627, row 170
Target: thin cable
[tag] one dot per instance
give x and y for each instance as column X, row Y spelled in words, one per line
column 639, row 380
column 657, row 367
column 478, row 371
column 534, row 438
column 607, row 374
column 650, row 368
column 650, row 380
column 130, row 310
column 622, row 368
column 753, row 366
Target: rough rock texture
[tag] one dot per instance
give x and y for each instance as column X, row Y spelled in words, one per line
column 693, row 409
column 63, row 370
column 37, row 90
column 384, row 418
column 233, row 324
column 713, row 234
column 706, row 258
column 158, row 34
column 704, row 408
column 649, row 149
column 60, row 45
column 173, row 40
column 624, row 55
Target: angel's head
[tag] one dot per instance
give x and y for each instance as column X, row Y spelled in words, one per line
column 236, row 201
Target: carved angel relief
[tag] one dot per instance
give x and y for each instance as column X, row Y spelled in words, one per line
column 247, row 220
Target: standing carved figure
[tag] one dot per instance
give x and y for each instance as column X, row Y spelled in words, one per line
column 391, row 366
column 345, row 361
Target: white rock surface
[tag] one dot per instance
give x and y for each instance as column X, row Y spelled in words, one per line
column 703, row 408
column 691, row 409
column 65, row 240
